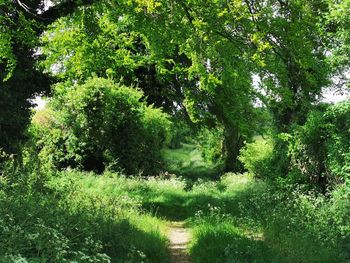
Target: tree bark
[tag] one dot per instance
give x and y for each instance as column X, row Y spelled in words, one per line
column 232, row 145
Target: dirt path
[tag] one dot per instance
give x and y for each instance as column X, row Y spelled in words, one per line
column 179, row 238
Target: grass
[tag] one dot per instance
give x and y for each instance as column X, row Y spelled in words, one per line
column 226, row 243
column 66, row 223
column 83, row 217
column 235, row 219
column 187, row 161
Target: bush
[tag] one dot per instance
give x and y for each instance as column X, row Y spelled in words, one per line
column 100, row 124
column 319, row 151
column 316, row 153
column 257, row 157
column 337, row 126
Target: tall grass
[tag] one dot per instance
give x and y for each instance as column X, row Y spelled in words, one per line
column 240, row 219
column 263, row 223
column 64, row 223
column 82, row 217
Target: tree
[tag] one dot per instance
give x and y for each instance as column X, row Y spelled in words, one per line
column 183, row 55
column 294, row 66
column 337, row 27
column 21, row 23
column 215, row 35
column 20, row 80
column 92, row 42
column 197, row 56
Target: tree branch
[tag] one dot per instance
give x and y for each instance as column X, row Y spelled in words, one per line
column 63, row 9
column 53, row 13
column 187, row 11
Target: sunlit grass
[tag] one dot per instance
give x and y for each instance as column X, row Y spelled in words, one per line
column 187, row 161
column 234, row 219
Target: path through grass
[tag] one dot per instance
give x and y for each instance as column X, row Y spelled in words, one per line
column 179, row 238
column 233, row 219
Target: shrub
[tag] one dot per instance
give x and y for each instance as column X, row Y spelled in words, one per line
column 337, row 126
column 257, row 157
column 316, row 153
column 319, row 151
column 100, row 124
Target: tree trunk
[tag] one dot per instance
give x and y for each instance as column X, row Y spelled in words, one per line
column 232, row 144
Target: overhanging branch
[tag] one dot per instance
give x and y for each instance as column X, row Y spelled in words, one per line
column 64, row 9
column 53, row 13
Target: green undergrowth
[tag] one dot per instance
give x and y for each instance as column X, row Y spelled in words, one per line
column 187, row 161
column 264, row 223
column 239, row 219
column 62, row 222
column 83, row 217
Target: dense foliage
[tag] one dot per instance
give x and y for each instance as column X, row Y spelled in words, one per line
column 20, row 80
column 148, row 105
column 319, row 150
column 315, row 153
column 100, row 125
column 45, row 220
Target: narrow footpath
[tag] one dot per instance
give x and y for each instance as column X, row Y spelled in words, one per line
column 179, row 238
